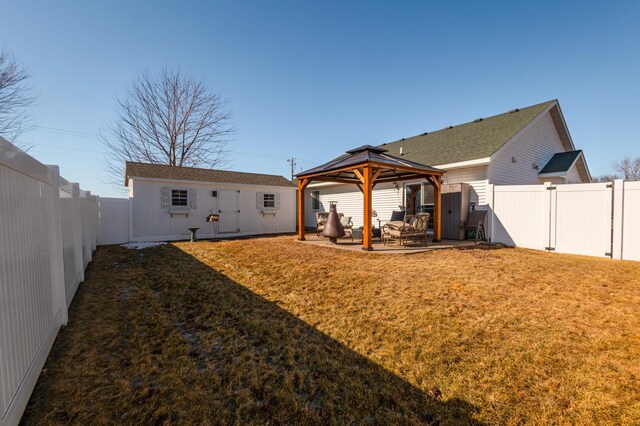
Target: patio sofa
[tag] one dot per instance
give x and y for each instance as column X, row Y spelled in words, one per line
column 412, row 227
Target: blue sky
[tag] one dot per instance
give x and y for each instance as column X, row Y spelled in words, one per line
column 313, row 79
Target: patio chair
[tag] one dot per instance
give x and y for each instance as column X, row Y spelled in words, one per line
column 321, row 219
column 475, row 223
column 412, row 227
column 347, row 224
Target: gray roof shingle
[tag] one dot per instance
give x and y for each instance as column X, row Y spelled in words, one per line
column 561, row 162
column 365, row 154
column 470, row 141
column 161, row 171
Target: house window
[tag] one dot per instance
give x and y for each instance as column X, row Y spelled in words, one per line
column 179, row 197
column 315, row 200
column 269, row 200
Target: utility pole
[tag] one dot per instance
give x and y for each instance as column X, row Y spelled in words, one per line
column 293, row 163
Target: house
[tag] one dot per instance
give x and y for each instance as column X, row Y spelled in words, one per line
column 165, row 201
column 529, row 145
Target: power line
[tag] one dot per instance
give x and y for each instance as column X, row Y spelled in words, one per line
column 83, row 134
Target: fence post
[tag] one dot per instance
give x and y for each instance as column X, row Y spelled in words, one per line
column 77, row 233
column 491, row 200
column 130, row 212
column 618, row 206
column 549, row 225
column 56, row 250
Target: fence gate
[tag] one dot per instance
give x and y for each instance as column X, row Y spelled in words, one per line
column 228, row 210
column 581, row 219
column 630, row 226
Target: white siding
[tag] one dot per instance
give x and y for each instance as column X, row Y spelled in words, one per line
column 385, row 199
column 536, row 145
column 573, row 176
column 153, row 223
column 476, row 177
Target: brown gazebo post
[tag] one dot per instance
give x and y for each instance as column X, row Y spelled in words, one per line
column 367, row 207
column 365, row 167
column 302, row 184
column 437, row 207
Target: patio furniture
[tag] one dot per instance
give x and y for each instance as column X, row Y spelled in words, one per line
column 375, row 233
column 412, row 227
column 321, row 219
column 347, row 224
column 475, row 224
column 397, row 215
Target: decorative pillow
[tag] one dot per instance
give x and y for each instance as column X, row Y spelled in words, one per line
column 397, row 215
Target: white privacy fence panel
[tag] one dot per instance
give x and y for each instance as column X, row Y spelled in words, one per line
column 582, row 219
column 71, row 238
column 41, row 265
column 114, row 221
column 595, row 219
column 631, row 222
column 519, row 217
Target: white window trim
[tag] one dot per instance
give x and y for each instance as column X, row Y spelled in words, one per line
column 273, row 200
column 179, row 207
column 314, row 199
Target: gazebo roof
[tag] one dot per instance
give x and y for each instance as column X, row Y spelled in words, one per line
column 341, row 169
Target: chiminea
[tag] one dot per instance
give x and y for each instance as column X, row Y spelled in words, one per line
column 333, row 229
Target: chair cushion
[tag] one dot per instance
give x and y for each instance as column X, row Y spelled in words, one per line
column 398, row 225
column 344, row 221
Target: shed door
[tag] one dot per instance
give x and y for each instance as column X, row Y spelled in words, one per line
column 228, row 211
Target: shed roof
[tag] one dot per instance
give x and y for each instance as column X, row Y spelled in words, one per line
column 561, row 162
column 161, row 171
column 480, row 138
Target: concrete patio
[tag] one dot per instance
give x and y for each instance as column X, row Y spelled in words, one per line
column 390, row 248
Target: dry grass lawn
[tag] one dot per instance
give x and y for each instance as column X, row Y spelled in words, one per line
column 273, row 331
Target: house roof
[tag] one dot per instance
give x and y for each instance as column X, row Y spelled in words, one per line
column 480, row 138
column 561, row 162
column 368, row 154
column 160, row 171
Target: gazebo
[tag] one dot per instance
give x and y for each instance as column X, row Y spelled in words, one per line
column 366, row 167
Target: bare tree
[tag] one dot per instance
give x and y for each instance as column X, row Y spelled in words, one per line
column 171, row 119
column 605, row 178
column 628, row 167
column 15, row 98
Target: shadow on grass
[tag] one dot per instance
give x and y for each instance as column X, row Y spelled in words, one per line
column 158, row 336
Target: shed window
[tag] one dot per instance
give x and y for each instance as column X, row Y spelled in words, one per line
column 179, row 197
column 269, row 200
column 315, row 200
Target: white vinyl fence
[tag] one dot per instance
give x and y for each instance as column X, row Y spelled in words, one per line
column 114, row 221
column 594, row 219
column 48, row 230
